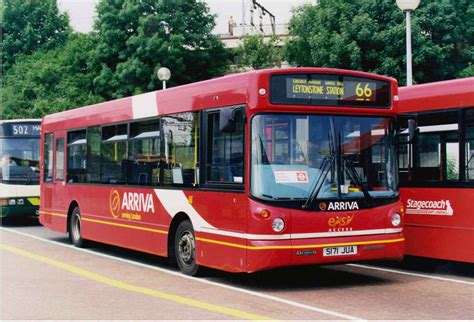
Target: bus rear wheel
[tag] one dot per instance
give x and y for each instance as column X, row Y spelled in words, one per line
column 75, row 228
column 185, row 248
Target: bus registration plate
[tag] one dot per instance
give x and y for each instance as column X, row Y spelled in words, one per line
column 339, row 251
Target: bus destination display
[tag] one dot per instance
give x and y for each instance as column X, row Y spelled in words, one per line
column 21, row 129
column 329, row 90
column 322, row 89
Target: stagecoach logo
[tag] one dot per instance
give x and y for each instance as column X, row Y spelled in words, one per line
column 340, row 223
column 130, row 205
column 429, row 207
column 339, row 205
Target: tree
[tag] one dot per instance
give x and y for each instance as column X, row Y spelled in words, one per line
column 138, row 37
column 29, row 25
column 369, row 35
column 258, row 54
column 50, row 81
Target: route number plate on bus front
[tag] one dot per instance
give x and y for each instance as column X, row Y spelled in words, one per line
column 341, row 250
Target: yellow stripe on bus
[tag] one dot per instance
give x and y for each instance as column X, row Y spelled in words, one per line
column 372, row 242
column 124, row 225
column 56, row 214
column 218, row 242
column 133, row 288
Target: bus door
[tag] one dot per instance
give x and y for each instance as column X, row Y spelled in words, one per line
column 58, row 196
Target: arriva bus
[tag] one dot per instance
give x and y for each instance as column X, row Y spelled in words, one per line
column 241, row 173
column 437, row 170
column 19, row 170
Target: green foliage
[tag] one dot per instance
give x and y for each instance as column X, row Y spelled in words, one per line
column 50, row 81
column 29, row 25
column 258, row 54
column 369, row 35
column 138, row 37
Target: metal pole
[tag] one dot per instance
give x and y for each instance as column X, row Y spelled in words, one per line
column 243, row 17
column 409, row 69
column 164, row 84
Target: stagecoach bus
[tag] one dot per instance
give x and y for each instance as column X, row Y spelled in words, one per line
column 242, row 173
column 19, row 170
column 437, row 170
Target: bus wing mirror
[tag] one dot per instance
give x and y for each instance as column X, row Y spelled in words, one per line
column 227, row 120
column 411, row 129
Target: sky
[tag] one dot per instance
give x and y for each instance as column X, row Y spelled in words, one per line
column 81, row 12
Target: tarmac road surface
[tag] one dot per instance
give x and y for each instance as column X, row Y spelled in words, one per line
column 43, row 277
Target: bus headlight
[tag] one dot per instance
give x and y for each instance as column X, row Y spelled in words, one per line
column 12, row 202
column 396, row 219
column 278, row 225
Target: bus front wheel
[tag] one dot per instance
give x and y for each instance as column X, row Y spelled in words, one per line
column 185, row 248
column 75, row 228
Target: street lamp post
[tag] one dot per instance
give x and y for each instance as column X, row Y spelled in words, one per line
column 164, row 74
column 408, row 6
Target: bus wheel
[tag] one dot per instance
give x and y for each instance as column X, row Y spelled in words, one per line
column 75, row 228
column 185, row 248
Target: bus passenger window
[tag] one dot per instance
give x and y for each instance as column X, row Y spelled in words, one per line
column 76, row 156
column 114, row 154
column 144, row 153
column 60, row 159
column 180, row 150
column 469, row 145
column 225, row 151
column 94, row 139
column 48, row 157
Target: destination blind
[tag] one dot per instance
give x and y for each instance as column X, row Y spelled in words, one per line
column 333, row 90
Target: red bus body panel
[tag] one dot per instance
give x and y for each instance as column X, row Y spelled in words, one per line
column 443, row 232
column 230, row 233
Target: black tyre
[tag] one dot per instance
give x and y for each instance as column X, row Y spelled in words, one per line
column 75, row 228
column 185, row 248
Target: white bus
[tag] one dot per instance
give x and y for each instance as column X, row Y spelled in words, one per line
column 19, row 167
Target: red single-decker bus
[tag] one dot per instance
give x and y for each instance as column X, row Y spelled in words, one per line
column 437, row 170
column 242, row 173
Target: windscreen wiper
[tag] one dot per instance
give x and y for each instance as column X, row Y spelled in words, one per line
column 349, row 167
column 326, row 165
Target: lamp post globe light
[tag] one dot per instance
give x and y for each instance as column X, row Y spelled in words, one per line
column 163, row 74
column 408, row 6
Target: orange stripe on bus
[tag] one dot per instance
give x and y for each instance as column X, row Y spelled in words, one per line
column 56, row 214
column 124, row 226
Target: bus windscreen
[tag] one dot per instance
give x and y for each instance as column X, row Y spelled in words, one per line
column 329, row 90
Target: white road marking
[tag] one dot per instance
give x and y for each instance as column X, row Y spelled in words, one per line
column 200, row 280
column 412, row 274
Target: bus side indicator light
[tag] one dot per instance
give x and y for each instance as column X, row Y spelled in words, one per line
column 190, row 200
column 265, row 213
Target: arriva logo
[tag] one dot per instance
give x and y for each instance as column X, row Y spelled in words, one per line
column 114, row 203
column 131, row 203
column 340, row 223
column 343, row 205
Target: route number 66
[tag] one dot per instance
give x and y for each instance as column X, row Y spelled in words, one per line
column 363, row 92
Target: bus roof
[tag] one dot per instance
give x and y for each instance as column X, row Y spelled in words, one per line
column 438, row 95
column 227, row 90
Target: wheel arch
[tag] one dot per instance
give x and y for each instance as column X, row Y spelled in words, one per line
column 72, row 205
column 177, row 219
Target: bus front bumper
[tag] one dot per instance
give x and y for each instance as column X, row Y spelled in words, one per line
column 264, row 254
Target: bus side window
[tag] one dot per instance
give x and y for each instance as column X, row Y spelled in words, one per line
column 60, row 159
column 114, row 154
column 144, row 153
column 225, row 151
column 48, row 157
column 469, row 144
column 180, row 149
column 76, row 156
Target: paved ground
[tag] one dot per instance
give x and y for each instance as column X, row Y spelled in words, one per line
column 42, row 277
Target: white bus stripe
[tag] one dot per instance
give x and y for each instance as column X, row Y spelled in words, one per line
column 144, row 105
